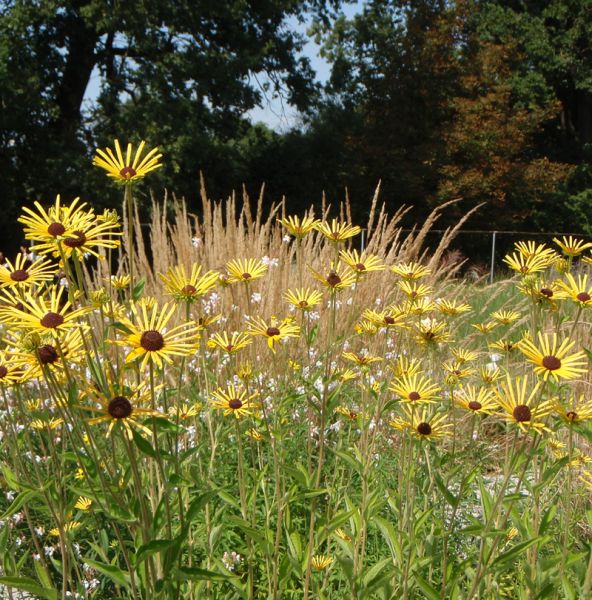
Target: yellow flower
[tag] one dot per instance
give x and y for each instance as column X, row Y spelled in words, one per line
column 234, row 400
column 405, row 367
column 22, row 275
column 385, row 318
column 576, row 291
column 303, row 299
column 463, row 355
column 526, row 265
column 505, row 317
column 255, row 435
column 504, row 345
column 245, row 372
column 418, row 306
column 68, row 528
column 421, row 425
column 150, row 338
column 352, row 415
column 52, row 225
column 361, row 264
column 456, row 371
column 118, row 282
column 124, row 169
column 187, row 288
column 519, row 405
column 362, row 359
column 415, row 389
column 12, row 368
column 485, row 327
column 245, row 270
column 410, row 270
column 299, row 227
column 52, row 423
column 321, row 562
column 452, row 307
column 335, row 280
column 336, row 231
column 476, row 400
column 83, row 503
column 530, row 249
column 432, row 332
column 340, row 533
column 184, row 411
column 571, row 246
column 413, row 290
column 575, row 411
column 366, row 328
column 551, row 360
column 489, row 375
column 274, row 331
column 44, row 314
column 237, row 341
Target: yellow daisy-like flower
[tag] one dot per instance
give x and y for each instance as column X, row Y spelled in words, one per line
column 362, row 359
column 571, row 246
column 51, row 225
column 487, row 327
column 299, row 227
column 388, row 318
column 410, row 270
column 526, row 265
column 542, row 291
column 336, row 231
column 575, row 411
column 125, row 169
column 477, row 400
column 551, row 360
column 517, row 399
column 204, row 321
column 340, row 533
column 413, row 290
column 234, row 401
column 366, row 327
column 49, row 424
column 68, row 528
column 405, row 367
column 577, row 291
column 44, row 314
column 335, row 280
column 119, row 411
column 352, row 415
column 245, row 270
column 361, row 264
column 463, row 355
column 22, row 275
column 418, row 307
column 185, row 287
column 432, row 332
column 303, row 299
column 345, row 375
column 237, row 341
column 505, row 317
column 489, row 375
column 245, row 372
column 255, row 435
column 150, row 338
column 504, row 345
column 421, row 425
column 530, row 248
column 456, row 371
column 452, row 307
column 320, row 562
column 118, row 282
column 11, row 368
column 415, row 389
column 274, row 331
column 83, row 503
column 184, row 411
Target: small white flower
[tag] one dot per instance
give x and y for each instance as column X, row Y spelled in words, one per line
column 286, row 239
column 196, row 242
column 256, row 297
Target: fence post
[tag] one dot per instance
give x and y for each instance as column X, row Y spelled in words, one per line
column 491, row 268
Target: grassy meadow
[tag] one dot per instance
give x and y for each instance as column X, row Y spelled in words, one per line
column 234, row 405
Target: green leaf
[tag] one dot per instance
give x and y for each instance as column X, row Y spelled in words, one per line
column 516, row 550
column 144, row 446
column 138, row 289
column 153, row 547
column 430, row 592
column 377, row 571
column 21, row 499
column 26, row 584
column 547, row 518
column 197, row 574
column 116, row 574
column 11, row 478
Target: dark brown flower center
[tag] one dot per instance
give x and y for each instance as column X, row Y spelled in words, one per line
column 77, row 240
column 414, row 396
column 389, row 320
column 246, row 276
column 3, row 371
column 189, row 290
column 333, row 279
column 583, row 297
column 552, row 363
column 474, row 405
column 52, row 320
column 272, row 331
column 572, row 415
column 522, row 413
column 127, row 172
column 547, row 292
column 47, row 354
column 303, row 304
column 424, row 429
column 152, row 341
column 360, row 266
column 56, row 229
column 235, row 403
column 120, row 407
column 413, row 294
column 19, row 275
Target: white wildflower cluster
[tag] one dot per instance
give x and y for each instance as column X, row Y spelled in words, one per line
column 231, row 559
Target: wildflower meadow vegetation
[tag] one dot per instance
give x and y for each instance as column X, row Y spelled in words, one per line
column 285, row 407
